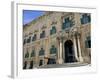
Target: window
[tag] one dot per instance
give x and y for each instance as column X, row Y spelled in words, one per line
column 53, row 30
column 85, row 19
column 34, row 37
column 25, row 65
column 51, row 61
column 41, row 63
column 88, row 42
column 27, row 55
column 41, row 52
column 53, row 50
column 29, row 40
column 33, row 53
column 24, row 41
column 67, row 23
column 31, row 65
column 42, row 35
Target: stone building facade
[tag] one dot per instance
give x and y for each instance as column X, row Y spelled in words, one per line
column 57, row 38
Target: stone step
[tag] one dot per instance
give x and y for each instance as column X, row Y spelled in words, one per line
column 64, row 65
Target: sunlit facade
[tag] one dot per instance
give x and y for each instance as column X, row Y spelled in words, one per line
column 57, row 38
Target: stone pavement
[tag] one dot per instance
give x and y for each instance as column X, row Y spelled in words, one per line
column 64, row 65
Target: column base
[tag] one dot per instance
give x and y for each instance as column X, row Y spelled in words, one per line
column 80, row 59
column 60, row 61
column 77, row 59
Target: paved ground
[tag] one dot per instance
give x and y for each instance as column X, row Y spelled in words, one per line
column 64, row 65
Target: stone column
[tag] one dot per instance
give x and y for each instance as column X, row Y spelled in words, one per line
column 79, row 50
column 37, row 54
column 60, row 53
column 75, row 49
column 77, row 19
column 46, row 52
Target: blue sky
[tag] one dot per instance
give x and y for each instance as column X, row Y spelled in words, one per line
column 29, row 15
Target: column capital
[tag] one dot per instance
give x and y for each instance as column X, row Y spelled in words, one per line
column 76, row 34
column 60, row 38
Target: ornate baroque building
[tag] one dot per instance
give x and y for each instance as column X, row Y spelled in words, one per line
column 57, row 38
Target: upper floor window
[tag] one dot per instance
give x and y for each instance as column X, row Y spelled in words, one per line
column 53, row 30
column 85, row 19
column 88, row 42
column 67, row 23
column 53, row 49
column 41, row 52
column 24, row 41
column 33, row 53
column 34, row 37
column 27, row 55
column 42, row 35
column 29, row 40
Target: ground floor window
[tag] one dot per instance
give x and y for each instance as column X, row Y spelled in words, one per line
column 51, row 61
column 41, row 63
column 25, row 65
column 31, row 65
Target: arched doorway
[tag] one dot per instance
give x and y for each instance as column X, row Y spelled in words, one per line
column 69, row 52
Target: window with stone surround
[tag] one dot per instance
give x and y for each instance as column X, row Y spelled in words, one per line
column 24, row 41
column 31, row 65
column 53, row 30
column 41, row 52
column 34, row 37
column 33, row 53
column 25, row 65
column 27, row 55
column 51, row 61
column 42, row 35
column 85, row 19
column 53, row 50
column 41, row 63
column 29, row 40
column 88, row 42
column 67, row 23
